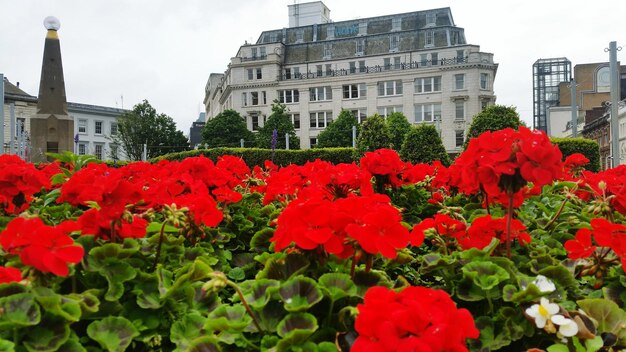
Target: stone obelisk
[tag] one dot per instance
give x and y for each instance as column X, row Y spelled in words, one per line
column 52, row 129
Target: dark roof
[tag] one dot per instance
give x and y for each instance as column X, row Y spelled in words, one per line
column 12, row 92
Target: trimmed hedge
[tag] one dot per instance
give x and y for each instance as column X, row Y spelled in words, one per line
column 257, row 156
column 584, row 146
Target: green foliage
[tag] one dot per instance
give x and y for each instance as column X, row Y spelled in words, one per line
column 279, row 120
column 398, row 127
column 374, row 135
column 256, row 156
column 587, row 147
column 493, row 118
column 423, row 145
column 339, row 132
column 143, row 125
column 226, row 130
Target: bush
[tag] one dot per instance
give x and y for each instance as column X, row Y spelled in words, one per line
column 226, row 130
column 374, row 135
column 398, row 127
column 493, row 118
column 423, row 145
column 256, row 156
column 339, row 132
column 584, row 146
column 279, row 120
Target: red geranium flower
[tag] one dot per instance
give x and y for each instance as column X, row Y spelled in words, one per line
column 581, row 247
column 9, row 275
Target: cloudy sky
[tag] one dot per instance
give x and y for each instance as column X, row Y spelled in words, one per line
column 164, row 50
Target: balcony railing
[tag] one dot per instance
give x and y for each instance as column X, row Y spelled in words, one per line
column 253, row 58
column 374, row 69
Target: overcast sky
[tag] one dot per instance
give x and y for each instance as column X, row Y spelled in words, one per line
column 164, row 50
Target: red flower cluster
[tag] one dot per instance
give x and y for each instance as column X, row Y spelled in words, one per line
column 442, row 224
column 610, row 183
column 505, row 160
column 416, row 319
column 370, row 221
column 19, row 180
column 9, row 275
column 605, row 234
column 485, row 228
column 46, row 248
column 574, row 164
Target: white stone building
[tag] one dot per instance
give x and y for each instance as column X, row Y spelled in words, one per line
column 418, row 63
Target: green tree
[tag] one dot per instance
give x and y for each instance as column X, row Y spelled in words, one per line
column 226, row 130
column 493, row 118
column 374, row 135
column 339, row 132
column 143, row 125
column 398, row 126
column 279, row 120
column 423, row 145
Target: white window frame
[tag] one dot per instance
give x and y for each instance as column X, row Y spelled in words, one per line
column 354, row 91
column 428, row 84
column 384, row 111
column 328, row 51
column 99, row 154
column 294, row 96
column 390, row 88
column 250, row 74
column 95, row 127
column 459, row 110
column 82, row 148
column 254, row 96
column 244, row 99
column 320, row 119
column 324, row 93
column 295, row 120
column 255, row 119
column 459, row 81
column 360, row 47
column 484, row 81
column 360, row 114
column 431, row 19
column 459, row 138
column 114, row 128
column 430, row 112
column 82, row 123
column 394, row 43
column 429, row 39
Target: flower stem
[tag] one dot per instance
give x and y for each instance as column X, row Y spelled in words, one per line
column 558, row 213
column 158, row 252
column 245, row 304
column 509, row 212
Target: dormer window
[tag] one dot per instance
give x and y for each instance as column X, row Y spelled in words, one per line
column 431, row 19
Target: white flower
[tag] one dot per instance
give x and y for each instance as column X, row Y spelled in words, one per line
column 542, row 312
column 567, row 327
column 544, row 284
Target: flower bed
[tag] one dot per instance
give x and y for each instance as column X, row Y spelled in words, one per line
column 508, row 249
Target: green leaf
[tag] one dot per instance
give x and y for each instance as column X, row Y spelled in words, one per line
column 72, row 345
column 364, row 280
column 338, row 285
column 236, row 274
column 114, row 334
column 258, row 292
column 19, row 310
column 228, row 318
column 558, row 348
column 6, row 345
column 198, row 270
column 531, row 293
column 609, row 316
column 204, row 344
column 156, row 227
column 261, row 239
column 485, row 275
column 47, row 336
column 594, row 344
column 55, row 304
column 299, row 294
column 560, row 275
column 295, row 328
column 147, row 291
column 184, row 331
column 282, row 268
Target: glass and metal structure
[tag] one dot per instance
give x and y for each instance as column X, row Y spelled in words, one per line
column 547, row 74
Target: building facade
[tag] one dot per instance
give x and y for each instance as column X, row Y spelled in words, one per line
column 417, row 63
column 547, row 75
column 96, row 128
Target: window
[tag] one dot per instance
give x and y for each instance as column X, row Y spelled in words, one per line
column 459, row 138
column 396, row 24
column 429, row 38
column 20, row 125
column 115, row 152
column 459, row 107
column 329, row 69
column 434, row 59
column 98, row 127
column 460, row 56
column 320, row 71
column 313, row 141
column 352, row 66
column 321, row 119
column 259, row 74
column 427, row 112
column 362, row 67
column 359, row 114
column 264, row 96
column 428, row 84
column 113, row 128
column 386, row 110
column 328, row 50
column 360, row 47
column 254, row 52
column 396, row 62
column 296, row 72
column 387, row 63
column 394, row 39
column 254, row 96
column 244, row 99
column 299, row 35
column 82, row 148
column 250, row 74
column 99, row 149
column 289, row 96
column 82, row 126
column 262, row 52
column 424, row 59
column 354, row 91
column 321, row 93
column 484, row 81
column 431, row 18
column 459, row 81
column 287, row 73
column 255, row 122
column 295, row 120
column 485, row 103
column 388, row 88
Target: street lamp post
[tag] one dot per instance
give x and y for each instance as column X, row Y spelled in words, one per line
column 612, row 49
